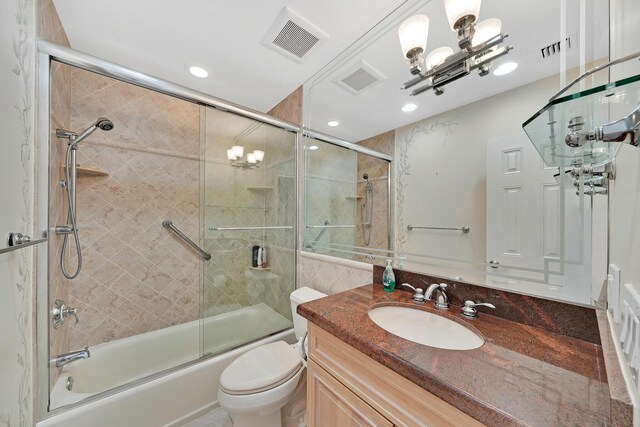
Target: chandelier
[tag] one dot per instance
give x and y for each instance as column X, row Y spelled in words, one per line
column 479, row 45
column 253, row 160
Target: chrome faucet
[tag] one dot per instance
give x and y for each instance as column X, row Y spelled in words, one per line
column 66, row 358
column 442, row 299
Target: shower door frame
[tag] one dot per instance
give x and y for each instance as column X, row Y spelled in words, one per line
column 47, row 52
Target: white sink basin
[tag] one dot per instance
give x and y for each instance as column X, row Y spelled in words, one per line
column 426, row 328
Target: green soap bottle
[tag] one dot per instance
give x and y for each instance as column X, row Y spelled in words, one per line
column 388, row 278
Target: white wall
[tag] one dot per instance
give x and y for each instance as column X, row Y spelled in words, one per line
column 624, row 207
column 17, row 24
column 441, row 176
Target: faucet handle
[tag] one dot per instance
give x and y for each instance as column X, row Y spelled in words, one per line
column 418, row 295
column 469, row 309
column 72, row 312
column 60, row 312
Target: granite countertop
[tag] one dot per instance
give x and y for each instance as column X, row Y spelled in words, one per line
column 521, row 376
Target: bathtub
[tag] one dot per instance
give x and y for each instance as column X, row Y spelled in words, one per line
column 155, row 399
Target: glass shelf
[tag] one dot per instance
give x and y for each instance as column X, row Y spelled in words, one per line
column 548, row 128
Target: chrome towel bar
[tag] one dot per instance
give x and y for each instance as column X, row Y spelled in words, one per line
column 464, row 229
column 19, row 241
column 169, row 225
column 331, row 226
column 274, row 227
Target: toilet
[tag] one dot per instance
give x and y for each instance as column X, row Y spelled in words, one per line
column 262, row 384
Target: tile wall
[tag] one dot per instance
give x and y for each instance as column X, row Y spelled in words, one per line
column 137, row 276
column 236, row 197
column 378, row 176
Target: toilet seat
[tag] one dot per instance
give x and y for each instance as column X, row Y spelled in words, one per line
column 261, row 369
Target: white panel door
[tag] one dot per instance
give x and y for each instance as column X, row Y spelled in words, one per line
column 537, row 230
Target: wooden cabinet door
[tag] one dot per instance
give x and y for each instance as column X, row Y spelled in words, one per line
column 331, row 404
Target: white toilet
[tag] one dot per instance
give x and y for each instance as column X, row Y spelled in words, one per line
column 256, row 386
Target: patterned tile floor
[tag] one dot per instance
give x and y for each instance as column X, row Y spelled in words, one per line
column 216, row 418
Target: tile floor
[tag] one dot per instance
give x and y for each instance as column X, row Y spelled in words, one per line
column 216, row 418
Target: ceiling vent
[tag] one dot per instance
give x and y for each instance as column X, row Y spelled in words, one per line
column 554, row 48
column 358, row 78
column 293, row 36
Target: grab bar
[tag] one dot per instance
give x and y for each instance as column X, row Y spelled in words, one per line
column 276, row 227
column 464, row 229
column 169, row 225
column 19, row 241
column 331, row 226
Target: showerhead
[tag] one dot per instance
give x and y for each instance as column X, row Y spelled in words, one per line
column 104, row 124
column 365, row 176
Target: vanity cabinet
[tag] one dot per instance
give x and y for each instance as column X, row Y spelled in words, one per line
column 347, row 388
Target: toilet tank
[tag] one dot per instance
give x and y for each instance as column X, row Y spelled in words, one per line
column 300, row 296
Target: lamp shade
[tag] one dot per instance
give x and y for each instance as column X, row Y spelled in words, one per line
column 437, row 56
column 486, row 30
column 259, row 155
column 238, row 151
column 251, row 158
column 413, row 34
column 457, row 9
column 231, row 155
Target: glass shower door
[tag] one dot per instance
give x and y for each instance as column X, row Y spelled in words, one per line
column 249, row 216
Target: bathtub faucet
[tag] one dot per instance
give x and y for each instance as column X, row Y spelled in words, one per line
column 65, row 358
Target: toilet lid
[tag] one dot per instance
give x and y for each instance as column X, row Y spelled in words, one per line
column 260, row 369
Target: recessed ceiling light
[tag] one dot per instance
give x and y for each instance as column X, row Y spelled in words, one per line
column 198, row 71
column 505, row 68
column 313, row 147
column 333, row 123
column 409, row 107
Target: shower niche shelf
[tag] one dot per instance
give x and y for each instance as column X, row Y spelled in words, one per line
column 581, row 112
column 90, row 171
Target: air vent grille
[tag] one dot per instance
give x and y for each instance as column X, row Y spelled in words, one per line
column 358, row 77
column 554, row 48
column 359, row 80
column 293, row 36
column 295, row 39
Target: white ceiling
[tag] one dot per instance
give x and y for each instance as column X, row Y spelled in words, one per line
column 161, row 37
column 531, row 24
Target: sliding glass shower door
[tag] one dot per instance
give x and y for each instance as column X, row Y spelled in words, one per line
column 249, row 229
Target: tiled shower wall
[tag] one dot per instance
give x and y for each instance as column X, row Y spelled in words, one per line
column 137, row 276
column 50, row 28
column 236, row 197
column 378, row 176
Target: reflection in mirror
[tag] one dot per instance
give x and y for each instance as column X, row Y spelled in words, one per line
column 347, row 201
column 472, row 199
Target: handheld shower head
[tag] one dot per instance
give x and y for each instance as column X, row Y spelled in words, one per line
column 102, row 123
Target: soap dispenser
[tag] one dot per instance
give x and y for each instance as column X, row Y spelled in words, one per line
column 388, row 278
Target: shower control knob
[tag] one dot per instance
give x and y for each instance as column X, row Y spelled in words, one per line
column 60, row 312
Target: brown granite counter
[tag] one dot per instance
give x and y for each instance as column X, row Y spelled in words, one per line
column 521, row 376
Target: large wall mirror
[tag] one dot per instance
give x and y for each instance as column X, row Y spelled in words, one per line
column 471, row 198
